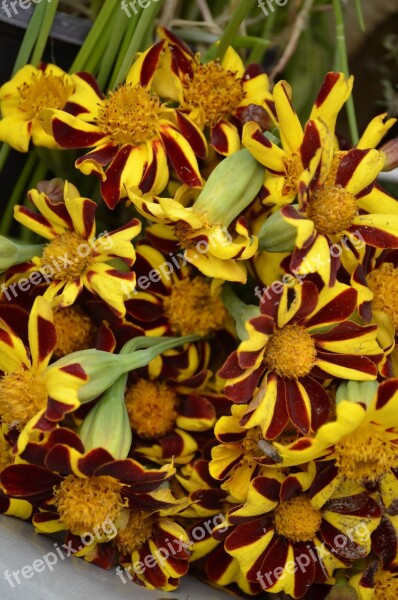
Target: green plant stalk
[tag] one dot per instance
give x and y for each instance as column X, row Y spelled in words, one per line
column 94, row 61
column 239, row 14
column 361, row 21
column 261, row 47
column 101, row 24
column 30, row 38
column 119, row 25
column 343, row 64
column 146, row 20
column 17, row 192
column 41, row 41
column 4, row 152
column 128, row 35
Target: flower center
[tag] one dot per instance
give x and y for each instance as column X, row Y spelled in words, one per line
column 250, row 445
column 386, row 586
column 290, row 352
column 384, row 284
column 136, row 533
column 332, row 209
column 23, row 394
column 84, row 505
column 191, row 308
column 75, row 331
column 293, row 169
column 130, row 115
column 152, row 408
column 365, row 455
column 297, row 520
column 213, row 90
column 44, row 91
column 69, row 255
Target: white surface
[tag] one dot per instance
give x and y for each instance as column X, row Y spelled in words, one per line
column 74, row 578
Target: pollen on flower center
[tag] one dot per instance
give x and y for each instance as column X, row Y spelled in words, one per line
column 290, row 352
column 75, row 331
column 364, row 455
column 69, row 255
column 297, row 520
column 23, row 394
column 386, row 585
column 152, row 408
column 191, row 308
column 332, row 209
column 250, row 445
column 85, row 504
column 44, row 91
column 213, row 90
column 130, row 115
column 293, row 168
column 136, row 533
column 384, row 284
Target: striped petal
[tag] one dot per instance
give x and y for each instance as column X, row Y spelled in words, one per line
column 42, row 333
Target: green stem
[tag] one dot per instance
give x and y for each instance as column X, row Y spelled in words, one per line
column 119, row 25
column 343, row 64
column 140, row 358
column 30, row 38
column 17, row 193
column 101, row 24
column 260, row 48
column 124, row 47
column 239, row 14
column 146, row 20
column 4, row 152
column 49, row 14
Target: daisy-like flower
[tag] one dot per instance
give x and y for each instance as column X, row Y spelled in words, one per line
column 375, row 583
column 130, row 130
column 24, row 96
column 118, row 503
column 74, row 258
column 292, row 533
column 301, row 336
column 363, row 438
column 301, row 149
column 30, row 389
column 220, row 96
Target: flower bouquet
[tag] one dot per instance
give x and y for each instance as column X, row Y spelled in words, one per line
column 199, row 307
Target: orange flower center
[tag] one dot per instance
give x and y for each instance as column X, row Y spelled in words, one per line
column 44, row 91
column 130, row 115
column 293, row 169
column 365, row 454
column 86, row 504
column 75, row 331
column 152, row 408
column 69, row 255
column 297, row 520
column 191, row 308
column 23, row 394
column 386, row 585
column 384, row 284
column 215, row 92
column 290, row 352
column 136, row 533
column 332, row 210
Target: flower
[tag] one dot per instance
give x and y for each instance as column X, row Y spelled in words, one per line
column 300, row 337
column 291, row 520
column 130, row 130
column 74, row 258
column 33, row 394
column 217, row 95
column 24, row 96
column 363, row 439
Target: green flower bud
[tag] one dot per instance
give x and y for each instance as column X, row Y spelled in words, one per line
column 14, row 253
column 342, row 591
column 357, row 391
column 277, row 235
column 231, row 187
column 240, row 311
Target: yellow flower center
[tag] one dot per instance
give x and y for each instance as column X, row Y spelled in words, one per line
column 250, row 445
column 338, row 155
column 69, row 255
column 213, row 90
column 293, row 170
column 191, row 308
column 386, row 586
column 130, row 115
column 290, row 352
column 44, row 91
column 84, row 505
column 23, row 394
column 75, row 331
column 152, row 408
column 384, row 284
column 297, row 520
column 136, row 533
column 365, row 454
column 332, row 209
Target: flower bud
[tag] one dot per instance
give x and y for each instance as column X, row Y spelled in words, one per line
column 14, row 253
column 277, row 235
column 342, row 591
column 357, row 391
